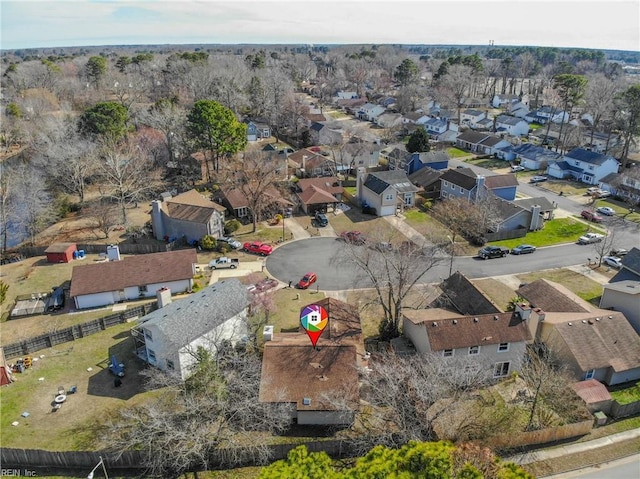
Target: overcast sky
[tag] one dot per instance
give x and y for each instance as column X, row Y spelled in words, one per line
column 571, row 23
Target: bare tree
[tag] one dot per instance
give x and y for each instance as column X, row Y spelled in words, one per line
column 33, row 207
column 461, row 217
column 599, row 100
column 454, row 87
column 102, row 216
column 7, row 205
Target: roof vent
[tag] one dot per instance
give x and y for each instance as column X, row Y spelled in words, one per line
column 306, row 401
column 495, row 318
column 610, row 317
column 475, row 320
column 455, row 321
column 434, row 324
column 584, row 321
column 570, row 324
column 597, row 319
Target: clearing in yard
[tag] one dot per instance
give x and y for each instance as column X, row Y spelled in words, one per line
column 586, row 288
column 497, row 291
column 556, row 231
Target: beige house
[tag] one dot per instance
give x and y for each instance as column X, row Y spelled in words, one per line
column 623, row 296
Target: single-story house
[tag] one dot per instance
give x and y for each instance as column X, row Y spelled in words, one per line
column 60, row 252
column 389, row 120
column 132, row 278
column 168, row 338
column 513, row 125
column 470, row 140
column 491, row 145
column 534, row 157
column 237, row 203
column 416, row 117
column 623, row 296
column 498, row 339
column 189, row 215
column 584, row 165
column 386, row 191
column 319, row 193
column 321, row 383
column 428, row 180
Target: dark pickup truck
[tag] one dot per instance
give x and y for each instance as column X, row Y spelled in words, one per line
column 493, row 252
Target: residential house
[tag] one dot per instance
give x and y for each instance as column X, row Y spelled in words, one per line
column 354, row 155
column 346, row 95
column 548, row 113
column 471, row 117
column 312, row 117
column 630, row 269
column 322, row 134
column 503, row 186
column 389, row 120
column 464, row 183
column 428, row 180
column 584, row 165
column 169, row 337
column 235, row 200
column 594, row 343
column 132, row 278
column 534, row 157
column 416, row 117
column 491, row 145
column 519, row 110
column 600, row 142
column 625, row 184
column 438, row 160
column 257, row 130
column 511, row 216
column 504, row 101
column 386, row 191
column 512, row 125
column 319, row 383
column 470, row 140
column 497, row 340
column 458, row 293
column 623, row 296
column 319, row 193
column 397, row 159
column 474, row 102
column 298, row 159
column 370, row 111
column 436, row 126
column 189, row 215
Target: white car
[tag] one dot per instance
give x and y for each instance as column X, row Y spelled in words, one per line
column 605, row 210
column 515, row 168
column 612, row 261
column 590, row 238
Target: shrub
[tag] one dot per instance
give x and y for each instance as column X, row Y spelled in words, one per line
column 208, row 242
column 231, row 226
column 13, row 110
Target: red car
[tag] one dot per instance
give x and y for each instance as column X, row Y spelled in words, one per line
column 591, row 216
column 354, row 237
column 258, row 247
column 307, row 280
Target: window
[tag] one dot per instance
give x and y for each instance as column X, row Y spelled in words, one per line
column 148, row 335
column 151, row 356
column 502, row 347
column 589, row 374
column 170, row 364
column 388, row 197
column 447, row 353
column 142, row 289
column 501, row 369
column 408, row 200
column 445, row 184
column 473, row 350
column 461, row 189
column 444, row 194
column 591, row 167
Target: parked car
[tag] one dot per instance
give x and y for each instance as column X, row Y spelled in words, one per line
column 493, row 252
column 523, row 249
column 307, row 280
column 605, row 210
column 354, row 237
column 591, row 216
column 515, row 168
column 612, row 261
column 590, row 238
column 55, row 302
column 619, row 252
column 598, row 192
column 537, row 179
column 265, row 284
column 321, row 219
column 232, row 242
column 223, row 263
column 258, row 247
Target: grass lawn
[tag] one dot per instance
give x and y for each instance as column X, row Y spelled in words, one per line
column 621, row 209
column 287, row 306
column 567, row 187
column 490, row 163
column 534, row 126
column 586, row 288
column 351, row 189
column 497, row 291
column 265, row 233
column 627, row 395
column 556, row 231
column 454, row 152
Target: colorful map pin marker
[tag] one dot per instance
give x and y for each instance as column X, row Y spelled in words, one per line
column 314, row 319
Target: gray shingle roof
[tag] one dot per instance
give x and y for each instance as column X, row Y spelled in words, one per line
column 472, row 137
column 587, row 156
column 187, row 319
column 508, row 120
column 381, row 180
column 464, row 177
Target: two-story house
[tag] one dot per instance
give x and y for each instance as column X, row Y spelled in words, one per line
column 464, row 183
column 471, row 117
column 385, row 191
column 497, row 340
column 625, row 184
column 370, row 111
column 504, row 101
column 322, row 134
column 436, row 126
column 257, row 130
column 534, row 157
column 438, row 160
column 584, row 165
column 512, row 125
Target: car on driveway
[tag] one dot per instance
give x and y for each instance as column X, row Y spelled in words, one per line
column 538, row 179
column 321, row 219
column 258, row 247
column 612, row 261
column 266, row 284
column 619, row 252
column 605, row 210
column 523, row 249
column 307, row 280
column 353, row 237
column 591, row 216
column 493, row 252
column 515, row 168
column 232, row 242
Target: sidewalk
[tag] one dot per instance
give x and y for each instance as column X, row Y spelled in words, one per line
column 296, row 229
column 559, row 451
column 398, row 223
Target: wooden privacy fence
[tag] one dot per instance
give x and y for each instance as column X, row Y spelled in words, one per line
column 50, row 339
column 542, row 436
column 125, row 248
column 509, row 234
column 624, row 410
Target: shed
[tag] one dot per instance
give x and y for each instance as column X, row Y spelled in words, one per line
column 60, row 252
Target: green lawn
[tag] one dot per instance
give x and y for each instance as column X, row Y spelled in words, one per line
column 490, row 163
column 264, row 233
column 351, row 189
column 457, row 153
column 556, row 231
column 534, row 126
column 579, row 284
column 627, row 395
column 620, row 208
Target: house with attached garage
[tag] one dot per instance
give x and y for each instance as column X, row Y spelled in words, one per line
column 594, row 343
column 464, row 183
column 189, row 215
column 497, row 341
column 169, row 337
column 257, row 130
column 534, row 157
column 319, row 193
column 132, row 278
column 385, row 191
column 512, row 125
column 583, row 165
column 471, row 117
column 320, row 384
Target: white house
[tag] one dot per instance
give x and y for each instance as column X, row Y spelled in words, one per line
column 498, row 340
column 505, row 101
column 548, row 113
column 512, row 125
column 534, row 157
column 436, row 126
column 132, row 278
column 370, row 111
column 385, row 191
column 169, row 337
column 416, row 117
column 584, row 165
column 471, row 117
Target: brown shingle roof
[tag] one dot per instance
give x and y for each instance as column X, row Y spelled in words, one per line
column 458, row 331
column 500, row 181
column 592, row 391
column 59, row 247
column 550, row 296
column 133, row 271
column 460, row 294
column 319, row 190
column 191, row 206
column 608, row 341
